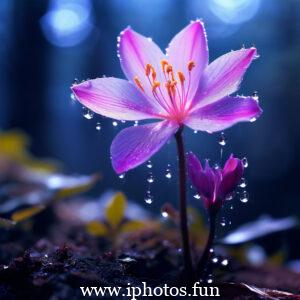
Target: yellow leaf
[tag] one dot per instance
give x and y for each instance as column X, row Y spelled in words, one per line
column 27, row 213
column 96, row 228
column 132, row 226
column 77, row 186
column 115, row 209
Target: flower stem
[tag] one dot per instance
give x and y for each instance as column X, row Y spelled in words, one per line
column 207, row 253
column 182, row 203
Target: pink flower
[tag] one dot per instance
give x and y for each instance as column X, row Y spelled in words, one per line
column 178, row 88
column 214, row 185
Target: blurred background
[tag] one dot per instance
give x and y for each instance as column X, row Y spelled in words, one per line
column 46, row 45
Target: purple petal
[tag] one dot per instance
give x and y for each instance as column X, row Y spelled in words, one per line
column 134, row 145
column 202, row 179
column 232, row 174
column 224, row 113
column 194, row 167
column 136, row 51
column 114, row 98
column 190, row 44
column 223, row 76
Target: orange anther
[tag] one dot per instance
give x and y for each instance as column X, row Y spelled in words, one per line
column 138, row 83
column 148, row 68
column 169, row 69
column 155, row 85
column 164, row 63
column 153, row 74
column 191, row 65
column 181, row 77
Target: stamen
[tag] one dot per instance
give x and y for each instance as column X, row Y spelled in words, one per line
column 138, row 83
column 181, row 77
column 164, row 63
column 191, row 65
column 155, row 85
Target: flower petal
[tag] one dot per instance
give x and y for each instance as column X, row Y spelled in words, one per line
column 223, row 76
column 136, row 51
column 194, row 167
column 134, row 145
column 232, row 174
column 190, row 44
column 114, row 98
column 224, row 113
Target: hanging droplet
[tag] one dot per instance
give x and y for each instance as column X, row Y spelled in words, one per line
column 73, row 98
column 115, row 123
column 121, row 176
column 168, row 173
column 222, row 140
column 255, row 95
column 87, row 113
column 197, row 196
column 148, row 197
column 243, row 183
column 245, row 162
column 253, row 120
column 230, row 196
column 98, row 126
column 224, row 262
column 216, row 166
column 164, row 214
column 195, row 131
column 244, row 197
column 211, row 250
column 215, row 260
column 223, row 222
column 149, row 164
column 136, row 123
column 231, row 207
column 123, row 121
column 150, row 178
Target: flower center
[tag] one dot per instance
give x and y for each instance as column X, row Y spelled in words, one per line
column 172, row 94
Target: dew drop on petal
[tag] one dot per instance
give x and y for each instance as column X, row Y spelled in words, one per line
column 115, row 123
column 244, row 198
column 98, row 126
column 245, row 162
column 73, row 98
column 222, row 139
column 253, row 120
column 243, row 183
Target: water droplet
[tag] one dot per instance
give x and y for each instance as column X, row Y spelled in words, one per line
column 215, row 260
column 255, row 95
column 223, row 222
column 136, row 123
column 231, row 207
column 98, row 126
column 197, row 196
column 195, row 131
column 209, row 281
column 211, row 250
column 115, row 123
column 150, row 178
column 123, row 121
column 224, row 262
column 87, row 113
column 164, row 214
column 243, row 183
column 230, row 196
column 149, row 164
column 245, row 162
column 168, row 173
column 222, row 140
column 244, row 197
column 148, row 198
column 253, row 120
column 5, row 267
column 216, row 166
column 75, row 81
column 73, row 98
column 121, row 176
